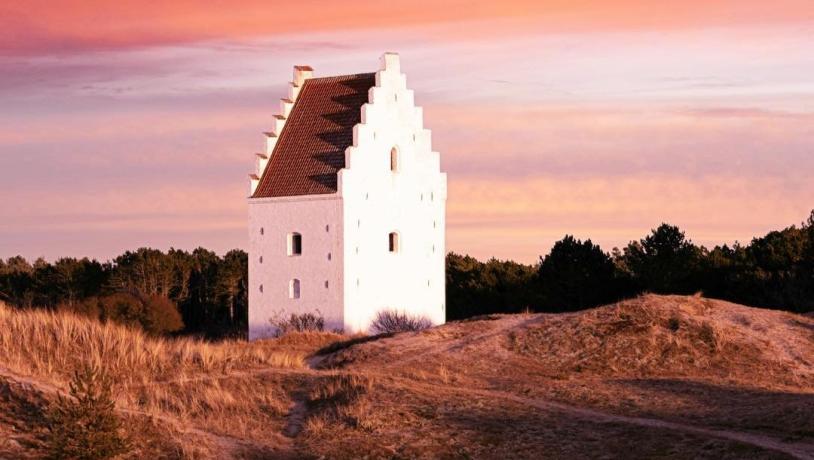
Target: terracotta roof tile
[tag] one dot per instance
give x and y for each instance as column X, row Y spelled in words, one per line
column 311, row 147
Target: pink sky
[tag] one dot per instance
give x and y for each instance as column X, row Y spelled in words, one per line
column 125, row 126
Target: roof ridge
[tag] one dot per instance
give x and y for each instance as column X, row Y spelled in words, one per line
column 348, row 76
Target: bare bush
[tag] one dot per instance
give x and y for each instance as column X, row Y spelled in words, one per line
column 390, row 321
column 304, row 322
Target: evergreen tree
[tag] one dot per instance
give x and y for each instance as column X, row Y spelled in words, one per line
column 85, row 425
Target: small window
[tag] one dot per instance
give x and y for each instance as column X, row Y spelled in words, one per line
column 394, row 159
column 261, row 259
column 329, row 256
column 294, row 244
column 294, row 289
column 326, row 284
column 261, row 288
column 327, row 228
column 394, row 241
column 261, row 230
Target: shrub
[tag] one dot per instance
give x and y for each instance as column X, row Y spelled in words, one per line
column 154, row 314
column 84, row 425
column 389, row 321
column 673, row 324
column 304, row 322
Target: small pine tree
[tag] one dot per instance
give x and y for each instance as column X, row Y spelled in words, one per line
column 84, row 425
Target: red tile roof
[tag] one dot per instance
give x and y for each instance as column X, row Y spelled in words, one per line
column 311, row 148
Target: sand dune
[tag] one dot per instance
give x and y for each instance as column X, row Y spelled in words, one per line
column 655, row 376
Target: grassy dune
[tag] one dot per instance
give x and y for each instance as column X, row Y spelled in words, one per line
column 175, row 383
column 676, row 377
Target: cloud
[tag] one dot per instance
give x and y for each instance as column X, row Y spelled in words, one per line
column 36, row 27
column 593, row 132
column 576, row 141
column 521, row 219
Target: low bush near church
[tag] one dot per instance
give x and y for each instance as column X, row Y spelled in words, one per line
column 390, row 321
column 304, row 322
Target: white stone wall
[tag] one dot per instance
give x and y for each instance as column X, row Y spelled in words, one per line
column 411, row 201
column 318, row 219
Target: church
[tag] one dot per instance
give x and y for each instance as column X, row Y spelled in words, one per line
column 347, row 205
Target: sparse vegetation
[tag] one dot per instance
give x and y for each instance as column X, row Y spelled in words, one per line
column 391, row 321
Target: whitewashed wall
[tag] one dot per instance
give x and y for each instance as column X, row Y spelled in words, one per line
column 411, row 201
column 318, row 219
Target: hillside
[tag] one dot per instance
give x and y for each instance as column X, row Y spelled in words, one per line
column 676, row 377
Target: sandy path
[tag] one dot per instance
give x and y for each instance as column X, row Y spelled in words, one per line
column 795, row 449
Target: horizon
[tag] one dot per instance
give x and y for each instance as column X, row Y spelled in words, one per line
column 112, row 258
column 140, row 130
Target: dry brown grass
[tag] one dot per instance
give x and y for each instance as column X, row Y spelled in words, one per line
column 185, row 382
column 503, row 386
column 671, row 336
column 340, row 398
column 52, row 345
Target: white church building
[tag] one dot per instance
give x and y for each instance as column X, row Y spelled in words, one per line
column 347, row 207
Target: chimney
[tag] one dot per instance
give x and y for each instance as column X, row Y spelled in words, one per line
column 302, row 73
column 389, row 61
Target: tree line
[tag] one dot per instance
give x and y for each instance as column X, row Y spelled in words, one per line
column 773, row 271
column 173, row 292
column 201, row 293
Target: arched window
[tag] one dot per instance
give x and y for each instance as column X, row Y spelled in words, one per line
column 394, row 241
column 294, row 244
column 394, row 159
column 294, row 289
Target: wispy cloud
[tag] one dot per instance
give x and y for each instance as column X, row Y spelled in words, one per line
column 566, row 117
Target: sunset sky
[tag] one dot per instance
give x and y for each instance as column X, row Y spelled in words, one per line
column 127, row 124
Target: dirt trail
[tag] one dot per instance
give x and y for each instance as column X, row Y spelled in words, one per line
column 795, row 449
column 297, row 414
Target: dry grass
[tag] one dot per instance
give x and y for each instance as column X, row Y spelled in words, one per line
column 502, row 386
column 212, row 386
column 670, row 336
column 340, row 398
column 52, row 345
